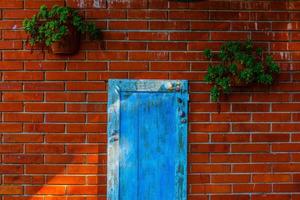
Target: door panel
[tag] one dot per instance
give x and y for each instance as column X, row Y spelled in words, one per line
column 147, row 140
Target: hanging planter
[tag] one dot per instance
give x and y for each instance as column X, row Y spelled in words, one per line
column 238, row 65
column 58, row 29
column 69, row 44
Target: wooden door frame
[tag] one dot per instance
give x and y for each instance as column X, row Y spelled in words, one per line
column 115, row 87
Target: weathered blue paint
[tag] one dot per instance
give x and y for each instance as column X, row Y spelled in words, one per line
column 147, row 140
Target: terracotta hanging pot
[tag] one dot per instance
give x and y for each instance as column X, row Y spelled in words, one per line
column 235, row 81
column 70, row 44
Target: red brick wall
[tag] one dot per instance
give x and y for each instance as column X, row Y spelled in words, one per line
column 53, row 108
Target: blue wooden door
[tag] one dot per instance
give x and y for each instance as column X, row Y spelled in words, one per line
column 147, row 140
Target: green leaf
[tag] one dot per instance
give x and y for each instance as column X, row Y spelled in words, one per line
column 49, row 26
column 208, row 53
column 241, row 62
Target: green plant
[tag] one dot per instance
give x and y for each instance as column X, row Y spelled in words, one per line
column 49, row 26
column 238, row 63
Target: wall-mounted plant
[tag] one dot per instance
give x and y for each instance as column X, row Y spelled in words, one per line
column 59, row 29
column 238, row 64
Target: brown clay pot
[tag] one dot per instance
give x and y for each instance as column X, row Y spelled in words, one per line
column 235, row 81
column 68, row 45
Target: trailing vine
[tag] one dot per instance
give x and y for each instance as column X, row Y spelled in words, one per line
column 238, row 64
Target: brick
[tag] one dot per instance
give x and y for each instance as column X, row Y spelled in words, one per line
column 270, row 137
column 86, row 169
column 169, row 46
column 285, row 147
column 148, row 75
column 242, row 148
column 97, row 118
column 128, row 25
column 108, row 55
column 252, row 188
column 271, row 117
column 10, row 107
column 45, row 190
column 10, row 128
column 188, row 15
column 292, row 187
column 23, row 138
column 9, row 45
column 44, row 86
column 230, row 178
column 104, row 76
column 211, row 188
column 49, row 66
column 87, row 190
column 209, row 148
column 247, row 168
column 44, row 107
column 168, row 66
column 113, row 45
column 21, row 179
column 128, row 66
column 271, row 157
column 148, row 14
column 198, row 158
column 209, row 168
column 48, row 128
column 271, row 196
column 65, row 118
column 22, row 55
column 209, row 127
column 36, row 4
column 17, row 13
column 22, row 117
column 11, row 190
column 24, row 96
column 86, row 108
column 148, row 36
column 86, row 149
column 65, row 97
column 11, row 148
column 141, row 56
column 250, row 107
column 229, row 36
column 65, row 180
column 230, row 197
column 44, row 148
column 64, row 159
column 11, row 169
column 22, row 159
column 169, row 25
column 190, row 36
column 44, row 169
column 230, row 158
column 266, row 178
column 285, row 127
column 194, row 179
column 249, row 127
column 65, row 138
column 77, row 86
column 65, row 76
column 10, row 65
column 230, row 117
column 241, row 138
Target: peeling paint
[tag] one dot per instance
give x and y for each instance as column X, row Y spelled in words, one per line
column 96, row 4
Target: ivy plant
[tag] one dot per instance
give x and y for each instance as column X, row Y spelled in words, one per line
column 236, row 64
column 49, row 26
